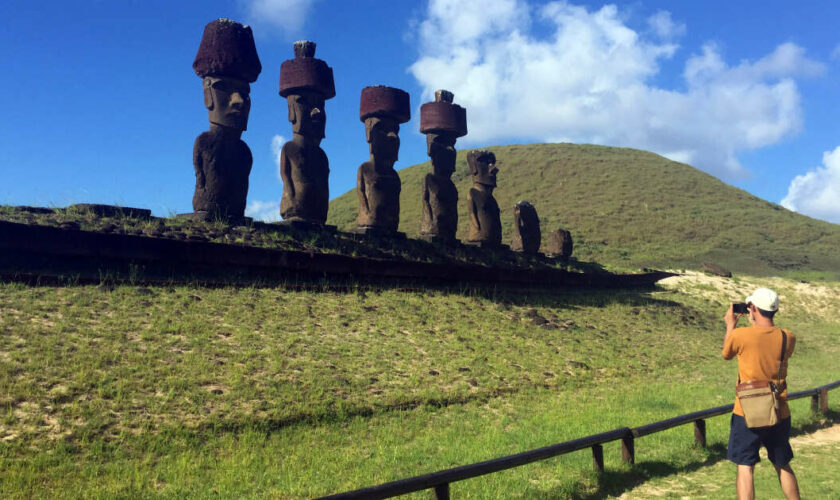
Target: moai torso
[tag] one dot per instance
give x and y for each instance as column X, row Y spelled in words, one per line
column 379, row 197
column 440, row 207
column 305, row 173
column 485, row 220
column 222, row 165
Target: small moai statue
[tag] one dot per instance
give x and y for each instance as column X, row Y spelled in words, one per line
column 306, row 83
column 382, row 110
column 560, row 245
column 485, row 222
column 442, row 122
column 227, row 63
column 526, row 229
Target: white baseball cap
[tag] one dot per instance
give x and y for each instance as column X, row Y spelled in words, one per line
column 764, row 299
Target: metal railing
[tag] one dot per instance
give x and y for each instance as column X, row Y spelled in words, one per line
column 441, row 480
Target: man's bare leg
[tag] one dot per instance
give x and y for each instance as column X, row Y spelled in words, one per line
column 787, row 480
column 744, row 482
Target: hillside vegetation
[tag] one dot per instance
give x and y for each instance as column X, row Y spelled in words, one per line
column 629, row 209
column 194, row 392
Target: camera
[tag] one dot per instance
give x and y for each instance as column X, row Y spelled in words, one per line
column 739, row 308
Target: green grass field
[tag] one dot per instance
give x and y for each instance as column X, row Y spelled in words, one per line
column 629, row 209
column 190, row 392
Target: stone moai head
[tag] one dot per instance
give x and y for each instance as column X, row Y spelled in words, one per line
column 442, row 122
column 227, row 62
column 306, row 83
column 383, row 109
column 526, row 229
column 482, row 167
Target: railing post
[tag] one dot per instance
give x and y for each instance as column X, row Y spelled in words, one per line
column 442, row 491
column 598, row 457
column 700, row 432
column 628, row 449
column 815, row 402
column 824, row 400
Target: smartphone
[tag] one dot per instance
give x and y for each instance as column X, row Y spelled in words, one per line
column 739, row 308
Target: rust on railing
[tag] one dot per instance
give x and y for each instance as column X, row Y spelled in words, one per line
column 440, row 481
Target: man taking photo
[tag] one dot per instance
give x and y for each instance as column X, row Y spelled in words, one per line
column 759, row 350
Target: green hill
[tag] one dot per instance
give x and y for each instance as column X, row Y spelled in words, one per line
column 628, row 208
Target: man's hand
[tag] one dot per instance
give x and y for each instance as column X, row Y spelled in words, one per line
column 730, row 319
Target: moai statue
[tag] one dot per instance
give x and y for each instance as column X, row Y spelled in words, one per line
column 305, row 82
column 485, row 224
column 442, row 122
column 526, row 229
column 382, row 110
column 560, row 245
column 227, row 62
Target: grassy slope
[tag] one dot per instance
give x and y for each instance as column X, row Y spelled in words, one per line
column 629, row 208
column 184, row 392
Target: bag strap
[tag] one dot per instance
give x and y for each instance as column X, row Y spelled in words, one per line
column 782, row 356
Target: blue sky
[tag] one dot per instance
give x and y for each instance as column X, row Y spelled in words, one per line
column 102, row 104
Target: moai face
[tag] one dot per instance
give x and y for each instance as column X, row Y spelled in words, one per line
column 483, row 169
column 228, row 101
column 307, row 114
column 383, row 135
column 441, row 149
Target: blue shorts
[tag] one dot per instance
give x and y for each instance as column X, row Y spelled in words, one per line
column 744, row 442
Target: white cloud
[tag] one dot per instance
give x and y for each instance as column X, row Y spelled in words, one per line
column 266, row 211
column 591, row 80
column 665, row 27
column 287, row 15
column 817, row 192
column 276, row 146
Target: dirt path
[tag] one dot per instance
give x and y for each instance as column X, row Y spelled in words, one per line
column 671, row 487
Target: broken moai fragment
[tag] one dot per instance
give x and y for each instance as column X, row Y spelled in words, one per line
column 227, row 63
column 306, row 83
column 485, row 222
column 382, row 109
column 526, row 229
column 560, row 245
column 442, row 122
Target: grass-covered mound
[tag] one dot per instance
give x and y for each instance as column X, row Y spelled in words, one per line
column 628, row 209
column 254, row 392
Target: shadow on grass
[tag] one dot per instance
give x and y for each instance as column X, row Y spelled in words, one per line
column 614, row 483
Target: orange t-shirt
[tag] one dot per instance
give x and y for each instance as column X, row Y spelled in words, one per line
column 758, row 349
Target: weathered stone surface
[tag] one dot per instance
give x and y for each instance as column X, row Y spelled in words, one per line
column 526, row 229
column 442, row 122
column 378, row 185
column 306, row 83
column 485, row 223
column 442, row 116
column 227, row 61
column 227, row 49
column 560, row 245
column 112, row 210
column 222, row 165
column 306, row 73
column 382, row 101
column 38, row 252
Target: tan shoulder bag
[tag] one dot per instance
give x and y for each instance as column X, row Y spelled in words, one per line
column 760, row 400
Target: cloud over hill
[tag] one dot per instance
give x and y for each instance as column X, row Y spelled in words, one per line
column 560, row 72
